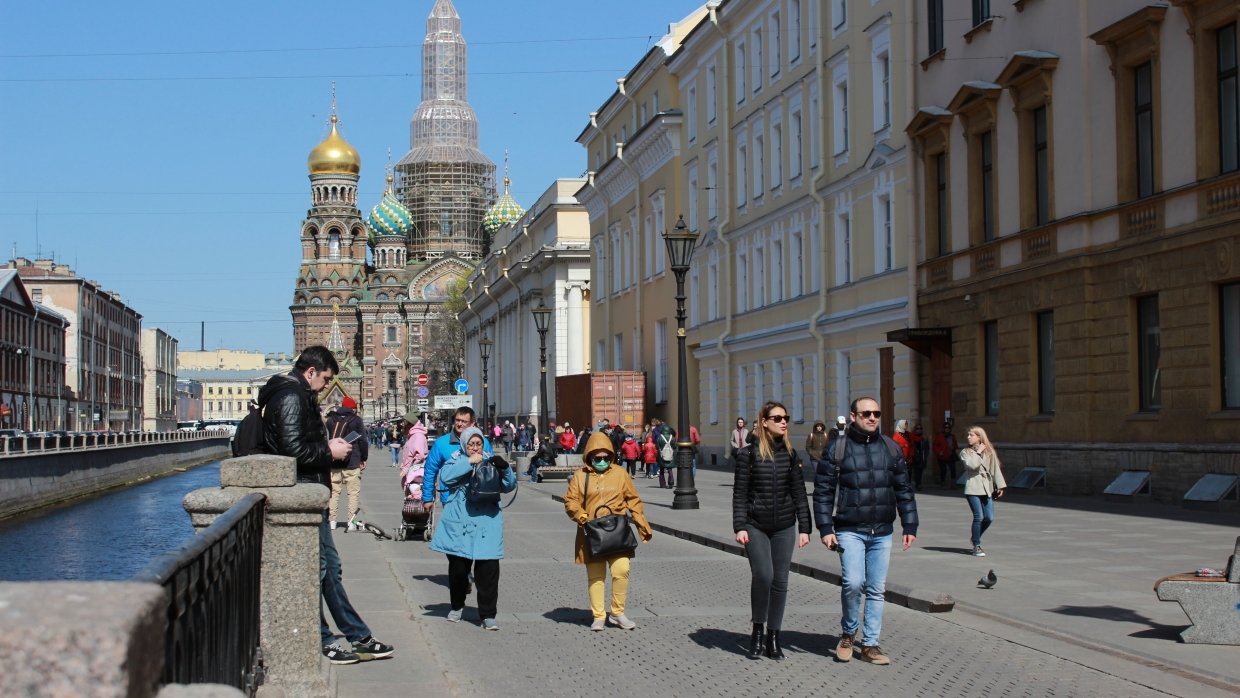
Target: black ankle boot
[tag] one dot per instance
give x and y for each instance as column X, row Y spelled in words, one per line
column 773, row 650
column 755, row 642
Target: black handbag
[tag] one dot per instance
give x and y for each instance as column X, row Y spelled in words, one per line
column 608, row 535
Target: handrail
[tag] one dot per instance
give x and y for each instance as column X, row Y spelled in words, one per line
column 213, row 614
column 29, row 445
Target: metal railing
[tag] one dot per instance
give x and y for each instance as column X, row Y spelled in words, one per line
column 212, row 632
column 27, row 445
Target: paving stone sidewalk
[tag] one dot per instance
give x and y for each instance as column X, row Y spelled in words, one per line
column 691, row 603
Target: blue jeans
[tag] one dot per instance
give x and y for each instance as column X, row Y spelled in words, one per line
column 332, row 587
column 396, row 453
column 983, row 514
column 864, row 559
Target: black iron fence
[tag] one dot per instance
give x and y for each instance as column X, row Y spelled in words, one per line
column 213, row 601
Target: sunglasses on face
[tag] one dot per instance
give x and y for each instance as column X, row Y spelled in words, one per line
column 869, row 414
column 778, row 418
column 600, row 460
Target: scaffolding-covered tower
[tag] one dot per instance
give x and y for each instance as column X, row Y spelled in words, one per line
column 444, row 180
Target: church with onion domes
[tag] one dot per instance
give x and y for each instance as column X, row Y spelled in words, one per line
column 372, row 287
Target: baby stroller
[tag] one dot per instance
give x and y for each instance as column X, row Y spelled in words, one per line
column 415, row 520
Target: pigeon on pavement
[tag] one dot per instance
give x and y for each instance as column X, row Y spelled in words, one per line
column 989, row 580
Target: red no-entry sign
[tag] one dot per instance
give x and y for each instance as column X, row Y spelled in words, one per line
column 423, row 379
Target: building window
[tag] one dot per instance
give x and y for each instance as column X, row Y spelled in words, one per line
column 36, row 295
column 742, row 282
column 796, row 256
column 742, row 390
column 776, row 39
column 1041, row 168
column 712, row 186
column 333, row 245
column 712, row 290
column 777, row 271
column 939, row 214
column 740, row 69
column 887, row 253
column 1143, row 120
column 1228, row 100
column 660, row 359
column 986, row 163
column 391, row 334
column 742, row 176
column 882, row 91
column 815, row 144
column 794, row 30
column 1229, row 304
column 839, row 15
column 981, row 11
column 712, row 89
column 934, row 24
column 1046, row 362
column 777, row 155
column 391, row 379
column 794, row 161
column 756, row 65
column 840, row 120
column 759, row 277
column 712, row 382
column 691, row 114
column 1149, row 341
column 759, row 163
column 844, row 257
column 990, row 345
column 798, row 389
column 693, row 197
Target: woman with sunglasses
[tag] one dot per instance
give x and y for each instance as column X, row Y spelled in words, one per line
column 603, row 484
column 770, row 514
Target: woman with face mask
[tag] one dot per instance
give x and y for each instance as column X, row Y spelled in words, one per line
column 770, row 515
column 603, row 483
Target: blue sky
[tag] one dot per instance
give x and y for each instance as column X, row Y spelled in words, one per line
column 163, row 145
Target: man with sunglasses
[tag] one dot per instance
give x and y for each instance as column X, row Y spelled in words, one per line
column 858, row 490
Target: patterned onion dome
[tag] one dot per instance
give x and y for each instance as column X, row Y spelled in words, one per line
column 389, row 216
column 504, row 212
column 334, row 155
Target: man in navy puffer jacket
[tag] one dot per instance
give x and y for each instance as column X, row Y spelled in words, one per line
column 856, row 499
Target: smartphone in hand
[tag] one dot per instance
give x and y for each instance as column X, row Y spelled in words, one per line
column 353, row 436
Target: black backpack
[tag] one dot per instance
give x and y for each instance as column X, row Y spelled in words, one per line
column 485, row 483
column 248, row 439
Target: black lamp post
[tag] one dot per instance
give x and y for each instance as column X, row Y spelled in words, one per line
column 542, row 320
column 484, row 347
column 680, row 241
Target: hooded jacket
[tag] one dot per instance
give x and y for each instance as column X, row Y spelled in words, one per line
column 612, row 489
column 769, row 494
column 292, row 426
column 342, row 422
column 415, row 450
column 473, row 530
column 873, row 487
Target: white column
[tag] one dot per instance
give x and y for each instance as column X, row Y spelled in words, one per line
column 575, row 336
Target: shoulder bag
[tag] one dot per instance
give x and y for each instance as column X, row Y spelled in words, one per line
column 608, row 535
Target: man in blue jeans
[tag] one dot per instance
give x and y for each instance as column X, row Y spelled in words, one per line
column 858, row 490
column 292, row 427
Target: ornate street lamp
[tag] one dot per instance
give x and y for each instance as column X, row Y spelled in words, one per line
column 542, row 320
column 680, row 241
column 484, row 346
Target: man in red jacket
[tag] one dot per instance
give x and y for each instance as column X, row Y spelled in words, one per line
column 946, row 449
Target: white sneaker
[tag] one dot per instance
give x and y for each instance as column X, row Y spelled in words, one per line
column 622, row 621
column 598, row 624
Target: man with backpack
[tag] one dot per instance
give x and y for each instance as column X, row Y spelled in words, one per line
column 347, row 475
column 292, row 427
column 665, row 441
column 859, row 487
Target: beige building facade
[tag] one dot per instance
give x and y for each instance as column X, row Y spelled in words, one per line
column 541, row 258
column 220, row 359
column 634, row 194
column 1079, row 222
column 159, row 380
column 797, row 181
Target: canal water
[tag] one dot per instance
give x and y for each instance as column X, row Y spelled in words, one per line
column 110, row 536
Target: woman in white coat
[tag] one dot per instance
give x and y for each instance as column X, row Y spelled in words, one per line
column 985, row 483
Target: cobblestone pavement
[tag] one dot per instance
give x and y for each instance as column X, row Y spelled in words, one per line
column 691, row 605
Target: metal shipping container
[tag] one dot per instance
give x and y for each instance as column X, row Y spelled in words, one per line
column 585, row 398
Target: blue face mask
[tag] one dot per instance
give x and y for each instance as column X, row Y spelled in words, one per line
column 600, row 464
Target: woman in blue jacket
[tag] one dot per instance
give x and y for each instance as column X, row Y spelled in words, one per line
column 471, row 533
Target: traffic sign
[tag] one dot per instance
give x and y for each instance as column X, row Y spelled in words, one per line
column 423, row 379
column 424, row 402
column 461, row 386
column 423, row 391
column 452, row 402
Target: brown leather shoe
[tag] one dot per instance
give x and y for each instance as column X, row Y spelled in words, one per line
column 873, row 655
column 844, row 650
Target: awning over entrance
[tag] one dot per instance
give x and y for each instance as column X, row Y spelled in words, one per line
column 924, row 340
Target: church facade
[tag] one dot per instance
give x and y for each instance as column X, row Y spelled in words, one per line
column 373, row 288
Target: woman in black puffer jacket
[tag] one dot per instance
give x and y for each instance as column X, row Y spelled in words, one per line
column 770, row 513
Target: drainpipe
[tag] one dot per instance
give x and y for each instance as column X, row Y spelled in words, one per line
column 725, row 128
column 821, row 262
column 911, row 201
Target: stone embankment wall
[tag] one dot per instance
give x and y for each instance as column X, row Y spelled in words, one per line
column 32, row 480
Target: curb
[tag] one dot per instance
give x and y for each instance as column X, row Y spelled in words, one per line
column 923, row 600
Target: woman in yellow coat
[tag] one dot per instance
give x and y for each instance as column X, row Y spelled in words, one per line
column 610, row 487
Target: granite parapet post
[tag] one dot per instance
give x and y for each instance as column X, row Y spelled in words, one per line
column 290, row 595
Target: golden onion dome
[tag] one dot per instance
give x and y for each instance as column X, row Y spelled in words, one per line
column 334, row 155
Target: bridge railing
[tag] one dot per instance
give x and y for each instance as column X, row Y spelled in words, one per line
column 213, row 613
column 25, row 445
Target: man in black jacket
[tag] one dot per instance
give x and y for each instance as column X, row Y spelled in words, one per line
column 292, row 427
column 856, row 499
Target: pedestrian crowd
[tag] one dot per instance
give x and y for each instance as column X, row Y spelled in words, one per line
column 863, row 481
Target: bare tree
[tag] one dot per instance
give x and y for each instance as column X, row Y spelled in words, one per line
column 444, row 341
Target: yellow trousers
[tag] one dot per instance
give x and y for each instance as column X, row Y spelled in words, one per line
column 596, row 572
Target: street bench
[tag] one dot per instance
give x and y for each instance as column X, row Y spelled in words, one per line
column 1212, row 604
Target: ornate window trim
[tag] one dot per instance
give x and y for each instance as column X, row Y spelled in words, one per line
column 977, row 106
column 1028, row 77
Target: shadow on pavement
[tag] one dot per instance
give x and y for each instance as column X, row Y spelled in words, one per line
column 569, row 616
column 945, row 549
column 717, row 639
column 1156, row 631
column 816, row 644
column 440, row 579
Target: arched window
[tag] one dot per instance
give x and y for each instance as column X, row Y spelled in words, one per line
column 333, row 245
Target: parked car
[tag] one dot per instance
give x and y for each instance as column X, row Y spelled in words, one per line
column 11, row 433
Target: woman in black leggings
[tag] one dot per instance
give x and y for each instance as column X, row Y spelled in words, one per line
column 770, row 514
